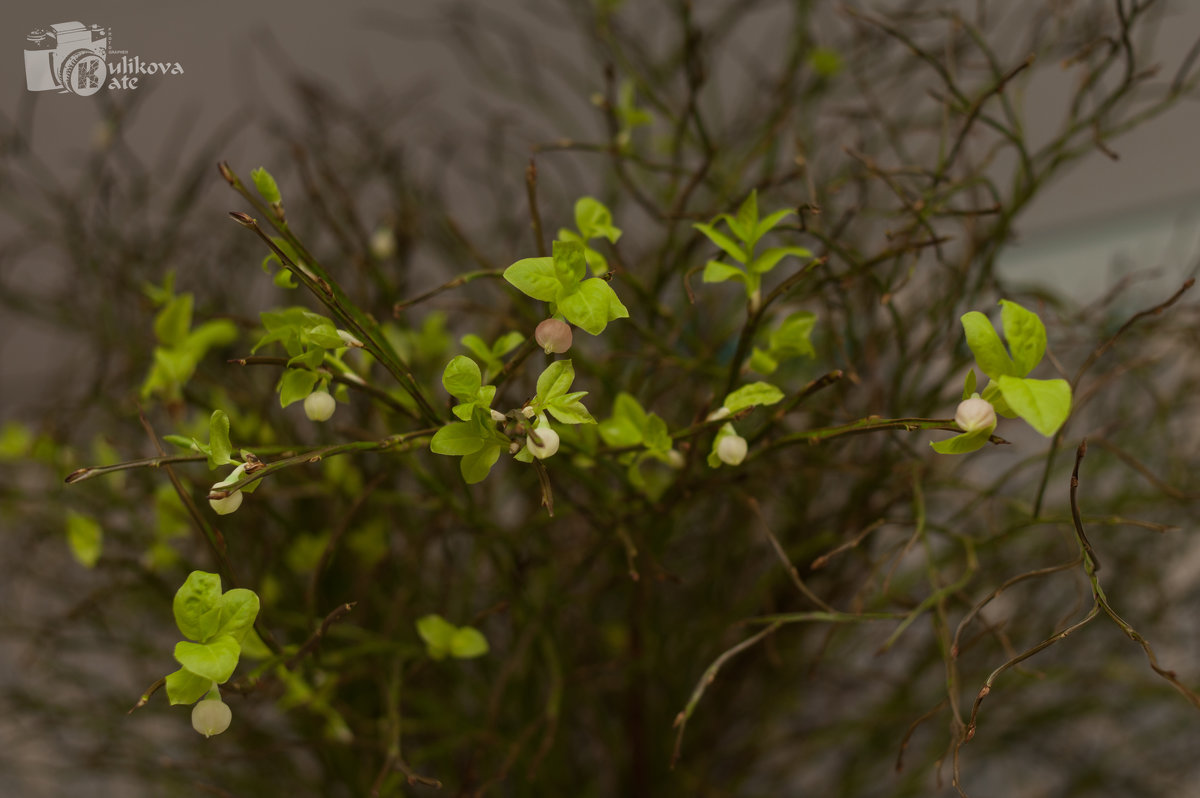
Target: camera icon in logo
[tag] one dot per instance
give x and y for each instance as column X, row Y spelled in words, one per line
column 69, row 56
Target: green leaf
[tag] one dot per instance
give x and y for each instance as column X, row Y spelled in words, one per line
column 84, row 536
column 468, row 643
column 762, row 362
column 507, row 343
column 173, row 322
column 756, row 393
column 16, row 441
column 555, row 380
column 620, row 431
column 534, row 277
column 437, row 633
column 961, row 444
column 657, row 437
column 254, row 647
column 265, row 184
column 825, row 61
column 569, row 264
column 989, row 353
column 793, row 337
column 768, row 224
column 593, row 306
column 185, row 687
column 992, row 394
column 309, row 360
column 1026, row 336
column 296, row 385
column 747, row 218
column 482, row 351
column 1045, row 404
column 214, row 660
column 969, row 385
column 195, row 605
column 236, row 611
column 462, row 378
column 569, row 410
column 216, row 332
column 766, row 261
column 723, row 241
column 457, row 438
column 476, row 465
column 218, row 440
column 717, row 272
column 594, row 220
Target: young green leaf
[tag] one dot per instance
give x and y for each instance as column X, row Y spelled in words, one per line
column 195, row 605
column 1026, row 336
column 236, row 611
column 792, row 338
column 185, row 687
column 992, row 394
column 569, row 410
column 762, row 361
column 462, row 378
column 296, row 385
column 457, row 438
column 476, row 465
column 555, row 380
column 468, row 643
column 717, row 272
column 173, row 322
column 1045, row 404
column 482, row 351
column 989, row 352
column 437, row 633
column 969, row 384
column 266, row 185
column 535, row 277
column 214, row 660
column 569, row 264
column 594, row 220
column 85, row 537
column 747, row 220
column 768, row 259
column 219, row 446
column 768, row 224
column 756, row 393
column 592, row 306
column 962, row 444
column 723, row 241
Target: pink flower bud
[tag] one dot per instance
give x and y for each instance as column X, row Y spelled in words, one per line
column 553, row 335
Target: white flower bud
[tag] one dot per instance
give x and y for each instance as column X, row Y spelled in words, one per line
column 548, row 446
column 349, row 339
column 718, row 414
column 675, row 459
column 228, row 504
column 497, row 416
column 211, row 716
column 383, row 243
column 528, row 412
column 732, row 450
column 975, row 414
column 553, row 335
column 319, row 406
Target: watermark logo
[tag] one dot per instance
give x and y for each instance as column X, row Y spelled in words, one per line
column 71, row 57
